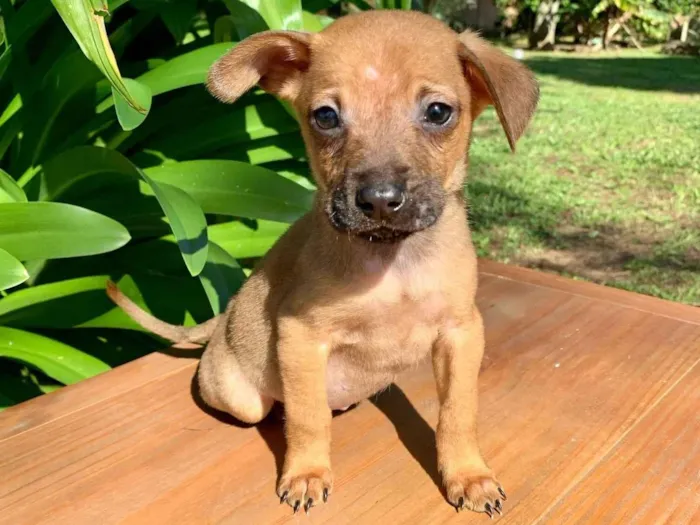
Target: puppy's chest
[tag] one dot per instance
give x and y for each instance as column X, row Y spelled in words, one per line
column 391, row 325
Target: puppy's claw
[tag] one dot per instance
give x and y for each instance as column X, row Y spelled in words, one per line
column 503, row 493
column 297, row 504
column 325, row 495
column 498, row 507
column 488, row 510
column 309, row 503
column 284, row 495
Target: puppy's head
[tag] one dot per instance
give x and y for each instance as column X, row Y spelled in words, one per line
column 386, row 101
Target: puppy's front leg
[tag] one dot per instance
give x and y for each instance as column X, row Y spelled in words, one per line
column 468, row 481
column 306, row 477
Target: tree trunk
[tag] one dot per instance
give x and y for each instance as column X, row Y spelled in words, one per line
column 684, row 29
column 544, row 31
column 606, row 29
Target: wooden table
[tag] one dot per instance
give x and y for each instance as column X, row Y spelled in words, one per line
column 590, row 413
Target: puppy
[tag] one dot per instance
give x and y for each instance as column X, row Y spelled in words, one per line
column 381, row 273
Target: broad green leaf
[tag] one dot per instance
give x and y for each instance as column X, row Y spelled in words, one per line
column 68, row 77
column 83, row 302
column 57, row 360
column 221, row 278
column 244, row 242
column 129, row 118
column 236, row 188
column 56, row 302
column 187, row 222
column 186, row 218
column 312, row 22
column 27, row 20
column 50, row 230
column 10, row 190
column 240, row 240
column 185, row 70
column 12, row 272
column 176, row 15
column 71, row 167
column 87, row 26
column 245, row 20
column 225, row 29
column 288, row 146
column 279, row 14
column 245, row 123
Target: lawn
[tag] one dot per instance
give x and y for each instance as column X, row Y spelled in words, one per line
column 605, row 185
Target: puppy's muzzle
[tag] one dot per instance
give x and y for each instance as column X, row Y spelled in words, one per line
column 385, row 205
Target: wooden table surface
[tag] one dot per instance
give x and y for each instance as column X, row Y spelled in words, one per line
column 590, row 413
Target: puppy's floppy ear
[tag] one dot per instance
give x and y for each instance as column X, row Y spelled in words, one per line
column 495, row 78
column 274, row 60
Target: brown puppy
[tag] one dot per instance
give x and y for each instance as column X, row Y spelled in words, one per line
column 382, row 273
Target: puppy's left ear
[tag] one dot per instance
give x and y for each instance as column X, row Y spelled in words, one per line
column 495, row 78
column 274, row 60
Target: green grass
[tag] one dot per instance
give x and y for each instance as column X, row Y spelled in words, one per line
column 605, row 185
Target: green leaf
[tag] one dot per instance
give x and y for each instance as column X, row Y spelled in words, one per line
column 12, row 272
column 185, row 70
column 67, row 78
column 83, row 303
column 128, row 117
column 87, row 26
column 27, row 20
column 312, row 23
column 186, row 218
column 176, row 15
column 221, row 278
column 57, row 360
column 235, row 188
column 187, row 222
column 49, row 230
column 244, row 242
column 10, row 190
column 240, row 240
column 238, row 126
column 246, row 20
column 279, row 14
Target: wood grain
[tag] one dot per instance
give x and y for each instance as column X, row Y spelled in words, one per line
column 588, row 411
column 651, row 476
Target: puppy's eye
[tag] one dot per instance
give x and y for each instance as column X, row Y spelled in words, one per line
column 326, row 118
column 438, row 113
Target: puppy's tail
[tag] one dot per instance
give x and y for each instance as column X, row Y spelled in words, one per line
column 182, row 336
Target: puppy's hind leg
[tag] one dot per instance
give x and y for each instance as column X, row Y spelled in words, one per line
column 223, row 385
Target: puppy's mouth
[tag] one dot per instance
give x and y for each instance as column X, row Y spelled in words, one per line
column 384, row 235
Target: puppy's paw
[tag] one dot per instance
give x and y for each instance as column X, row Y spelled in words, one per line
column 475, row 491
column 305, row 489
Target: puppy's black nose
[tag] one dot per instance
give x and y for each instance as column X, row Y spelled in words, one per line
column 380, row 200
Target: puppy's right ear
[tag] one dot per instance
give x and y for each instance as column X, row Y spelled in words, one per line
column 274, row 60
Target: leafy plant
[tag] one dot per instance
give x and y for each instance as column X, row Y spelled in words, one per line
column 117, row 164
